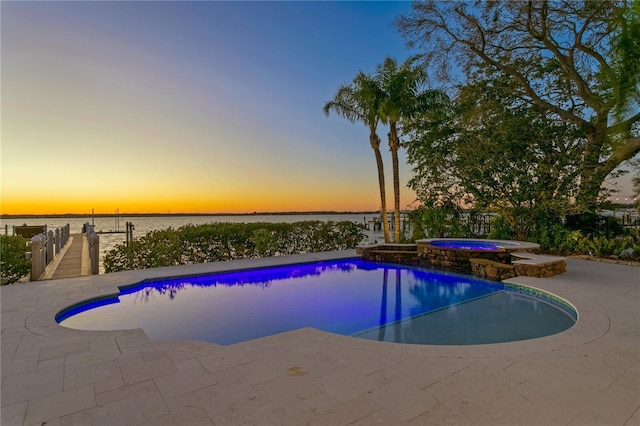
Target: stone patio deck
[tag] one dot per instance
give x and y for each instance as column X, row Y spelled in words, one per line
column 587, row 375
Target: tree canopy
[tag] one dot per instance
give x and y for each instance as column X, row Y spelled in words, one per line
column 496, row 153
column 576, row 61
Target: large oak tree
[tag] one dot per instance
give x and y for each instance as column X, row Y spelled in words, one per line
column 577, row 60
column 497, row 153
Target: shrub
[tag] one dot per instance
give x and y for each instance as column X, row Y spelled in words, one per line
column 228, row 241
column 554, row 237
column 13, row 259
column 600, row 245
column 594, row 224
column 439, row 222
column 500, row 229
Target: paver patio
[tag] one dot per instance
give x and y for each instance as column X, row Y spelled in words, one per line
column 587, row 375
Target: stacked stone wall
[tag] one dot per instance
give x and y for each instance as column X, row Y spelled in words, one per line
column 493, row 265
column 490, row 270
column 391, row 256
column 457, row 260
column 543, row 270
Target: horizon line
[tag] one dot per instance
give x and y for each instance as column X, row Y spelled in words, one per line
column 121, row 214
column 256, row 213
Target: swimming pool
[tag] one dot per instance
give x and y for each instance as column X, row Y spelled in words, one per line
column 351, row 297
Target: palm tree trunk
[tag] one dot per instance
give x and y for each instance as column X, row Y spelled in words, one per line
column 375, row 144
column 396, row 194
column 394, row 146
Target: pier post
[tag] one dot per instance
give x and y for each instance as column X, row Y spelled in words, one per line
column 129, row 232
column 58, row 241
column 38, row 256
column 65, row 234
column 49, row 243
column 93, row 240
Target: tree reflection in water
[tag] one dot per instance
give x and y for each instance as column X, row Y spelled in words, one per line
column 398, row 315
column 383, row 304
column 262, row 278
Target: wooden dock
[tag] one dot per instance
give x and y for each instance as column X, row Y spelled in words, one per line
column 73, row 261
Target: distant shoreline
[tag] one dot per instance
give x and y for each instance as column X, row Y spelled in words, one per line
column 83, row 215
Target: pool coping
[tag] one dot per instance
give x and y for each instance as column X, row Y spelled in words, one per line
column 77, row 360
column 507, row 245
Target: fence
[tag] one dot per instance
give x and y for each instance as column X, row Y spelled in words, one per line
column 478, row 223
column 44, row 247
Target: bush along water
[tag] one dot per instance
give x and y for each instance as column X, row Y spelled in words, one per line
column 604, row 237
column 611, row 240
column 13, row 258
column 228, row 241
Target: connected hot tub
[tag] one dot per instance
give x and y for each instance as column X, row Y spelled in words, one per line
column 454, row 254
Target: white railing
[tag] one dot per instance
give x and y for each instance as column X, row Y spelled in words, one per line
column 38, row 256
column 44, row 247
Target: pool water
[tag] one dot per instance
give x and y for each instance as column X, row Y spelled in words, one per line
column 351, row 297
column 487, row 245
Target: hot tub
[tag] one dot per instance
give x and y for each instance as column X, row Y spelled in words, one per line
column 454, row 254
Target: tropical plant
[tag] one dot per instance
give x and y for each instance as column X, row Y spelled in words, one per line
column 578, row 61
column 13, row 258
column 360, row 102
column 600, row 245
column 403, row 98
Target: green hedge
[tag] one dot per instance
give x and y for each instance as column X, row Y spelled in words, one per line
column 13, row 259
column 227, row 241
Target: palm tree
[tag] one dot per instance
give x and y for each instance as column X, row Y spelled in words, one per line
column 360, row 102
column 404, row 97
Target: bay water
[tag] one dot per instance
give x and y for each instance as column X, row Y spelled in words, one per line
column 144, row 224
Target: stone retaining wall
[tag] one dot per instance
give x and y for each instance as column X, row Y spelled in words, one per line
column 404, row 254
column 541, row 270
column 492, row 265
column 490, row 270
column 456, row 260
column 430, row 257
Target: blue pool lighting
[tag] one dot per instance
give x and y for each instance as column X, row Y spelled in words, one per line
column 487, row 245
column 350, row 297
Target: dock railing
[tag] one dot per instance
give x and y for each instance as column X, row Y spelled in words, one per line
column 44, row 247
column 38, row 256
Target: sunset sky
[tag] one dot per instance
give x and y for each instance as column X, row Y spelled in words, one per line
column 186, row 107
column 189, row 107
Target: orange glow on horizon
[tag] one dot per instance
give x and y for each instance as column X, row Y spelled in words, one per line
column 163, row 208
column 163, row 204
column 207, row 195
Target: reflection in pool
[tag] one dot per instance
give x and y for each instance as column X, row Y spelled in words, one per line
column 350, row 297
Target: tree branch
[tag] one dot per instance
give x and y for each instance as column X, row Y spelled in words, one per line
column 624, row 126
column 527, row 87
column 565, row 63
column 624, row 153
